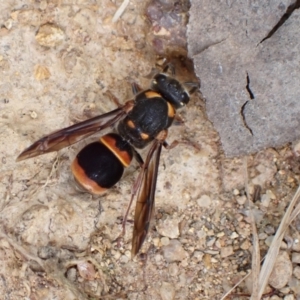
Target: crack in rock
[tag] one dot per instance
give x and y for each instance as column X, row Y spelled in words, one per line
column 248, row 87
column 251, row 95
column 286, row 15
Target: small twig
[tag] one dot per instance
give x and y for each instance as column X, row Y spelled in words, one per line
column 120, row 11
column 271, row 256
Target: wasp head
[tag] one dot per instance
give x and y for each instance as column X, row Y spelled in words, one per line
column 171, row 90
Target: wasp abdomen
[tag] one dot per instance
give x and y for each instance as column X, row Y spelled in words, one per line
column 100, row 165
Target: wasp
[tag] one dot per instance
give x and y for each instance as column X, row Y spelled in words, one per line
column 140, row 121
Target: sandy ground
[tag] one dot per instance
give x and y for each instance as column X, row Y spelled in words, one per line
column 59, row 243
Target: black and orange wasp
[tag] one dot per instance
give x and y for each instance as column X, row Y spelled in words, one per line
column 141, row 121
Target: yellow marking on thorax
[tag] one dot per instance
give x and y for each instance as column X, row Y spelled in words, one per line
column 130, row 124
column 171, row 111
column 152, row 94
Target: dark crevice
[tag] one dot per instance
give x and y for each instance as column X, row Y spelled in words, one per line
column 251, row 95
column 248, row 88
column 287, row 14
column 244, row 118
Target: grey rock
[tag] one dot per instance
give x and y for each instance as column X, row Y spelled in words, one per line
column 226, row 42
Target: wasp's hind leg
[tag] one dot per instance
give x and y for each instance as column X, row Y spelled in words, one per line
column 134, row 190
column 184, row 142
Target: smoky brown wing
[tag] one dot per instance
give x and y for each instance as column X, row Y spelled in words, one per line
column 72, row 134
column 145, row 202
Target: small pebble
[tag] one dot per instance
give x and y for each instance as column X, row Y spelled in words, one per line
column 128, row 253
column 165, row 241
column 173, row 269
column 245, row 245
column 158, row 258
column 262, row 236
column 156, row 242
column 211, row 242
column 168, row 228
column 296, row 272
column 198, row 255
column 282, row 271
column 289, row 297
column 275, row 297
column 204, row 201
column 265, row 200
column 184, row 263
column 294, row 285
column 207, row 261
column 86, row 270
column 71, row 274
column 43, row 4
column 271, row 194
column 41, row 72
column 182, row 279
column 269, row 229
column 226, row 251
column 117, row 255
column 49, row 35
column 296, row 148
column 174, row 251
column 220, row 234
column 8, row 23
column 296, row 245
column 236, row 192
column 241, row 200
column 219, row 243
column 33, row 114
column 234, row 235
column 124, row 259
column 296, row 258
column 286, row 290
column 167, row 291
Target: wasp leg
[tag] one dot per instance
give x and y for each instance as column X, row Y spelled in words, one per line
column 114, row 99
column 194, row 86
column 135, row 88
column 178, row 120
column 134, row 190
column 138, row 158
column 169, row 68
column 176, row 143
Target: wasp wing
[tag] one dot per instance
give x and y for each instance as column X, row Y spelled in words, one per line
column 145, row 202
column 72, row 134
